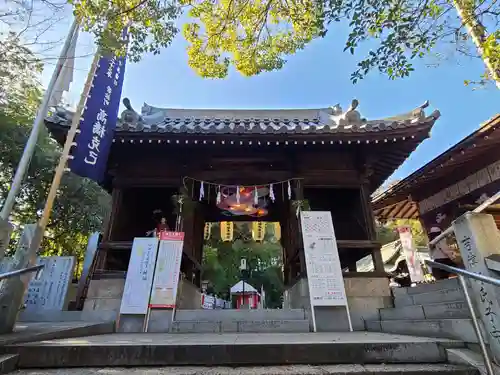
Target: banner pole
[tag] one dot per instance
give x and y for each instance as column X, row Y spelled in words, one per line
column 11, row 290
column 29, row 149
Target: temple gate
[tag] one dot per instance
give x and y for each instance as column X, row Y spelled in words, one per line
column 316, row 159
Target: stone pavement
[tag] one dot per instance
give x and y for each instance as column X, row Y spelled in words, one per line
column 413, row 369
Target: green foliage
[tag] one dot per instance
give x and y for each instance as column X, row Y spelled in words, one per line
column 221, row 262
column 387, row 232
column 150, row 24
column 252, row 36
column 80, row 204
column 256, row 36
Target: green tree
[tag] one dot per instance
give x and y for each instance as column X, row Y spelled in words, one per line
column 388, row 232
column 256, row 36
column 221, row 262
column 81, row 204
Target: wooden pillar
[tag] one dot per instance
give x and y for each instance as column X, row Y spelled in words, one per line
column 369, row 217
column 299, row 196
column 369, row 221
column 116, row 202
column 352, row 266
column 198, row 241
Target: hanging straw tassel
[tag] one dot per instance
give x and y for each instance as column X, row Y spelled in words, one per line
column 289, row 190
column 237, row 194
column 202, row 191
column 218, row 199
column 255, row 196
column 271, row 193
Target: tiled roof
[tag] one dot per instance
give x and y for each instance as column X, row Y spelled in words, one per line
column 308, row 121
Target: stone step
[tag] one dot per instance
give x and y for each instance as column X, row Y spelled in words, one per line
column 25, row 332
column 438, row 296
column 469, row 358
column 249, row 326
column 400, row 369
column 8, row 363
column 445, row 310
column 426, row 288
column 238, row 315
column 68, row 316
column 457, row 329
column 156, row 349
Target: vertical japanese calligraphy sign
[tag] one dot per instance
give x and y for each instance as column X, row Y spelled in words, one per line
column 99, row 118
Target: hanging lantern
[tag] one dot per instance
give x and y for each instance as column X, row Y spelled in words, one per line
column 277, row 231
column 258, row 230
column 207, row 231
column 226, row 231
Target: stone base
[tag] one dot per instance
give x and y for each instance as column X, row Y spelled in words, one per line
column 365, row 296
column 106, row 294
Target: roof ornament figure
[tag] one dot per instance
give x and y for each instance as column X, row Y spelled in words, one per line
column 350, row 117
column 129, row 116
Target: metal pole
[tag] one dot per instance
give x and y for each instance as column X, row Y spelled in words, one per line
column 29, row 149
column 42, row 223
column 10, row 274
column 477, row 329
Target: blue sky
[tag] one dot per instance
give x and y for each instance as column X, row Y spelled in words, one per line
column 316, row 77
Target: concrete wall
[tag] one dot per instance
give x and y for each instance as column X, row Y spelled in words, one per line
column 105, row 294
column 365, row 295
column 189, row 296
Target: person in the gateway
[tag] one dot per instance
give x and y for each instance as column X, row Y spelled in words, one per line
column 440, row 252
column 161, row 224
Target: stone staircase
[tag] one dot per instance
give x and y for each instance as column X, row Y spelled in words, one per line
column 242, row 321
column 431, row 310
column 356, row 353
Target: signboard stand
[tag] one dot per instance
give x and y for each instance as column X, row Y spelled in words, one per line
column 324, row 272
column 139, row 278
column 165, row 285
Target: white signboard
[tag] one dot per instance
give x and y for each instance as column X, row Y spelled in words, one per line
column 167, row 271
column 324, row 273
column 139, row 276
column 207, row 301
column 49, row 290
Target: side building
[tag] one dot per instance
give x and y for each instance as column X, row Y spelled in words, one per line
column 456, row 181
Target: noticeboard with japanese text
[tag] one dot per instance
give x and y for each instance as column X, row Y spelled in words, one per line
column 167, row 270
column 324, row 273
column 139, row 276
column 50, row 289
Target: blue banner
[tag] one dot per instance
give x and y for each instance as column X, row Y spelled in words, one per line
column 98, row 122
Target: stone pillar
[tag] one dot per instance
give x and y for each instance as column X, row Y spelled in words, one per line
column 478, row 237
column 13, row 289
column 5, row 232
